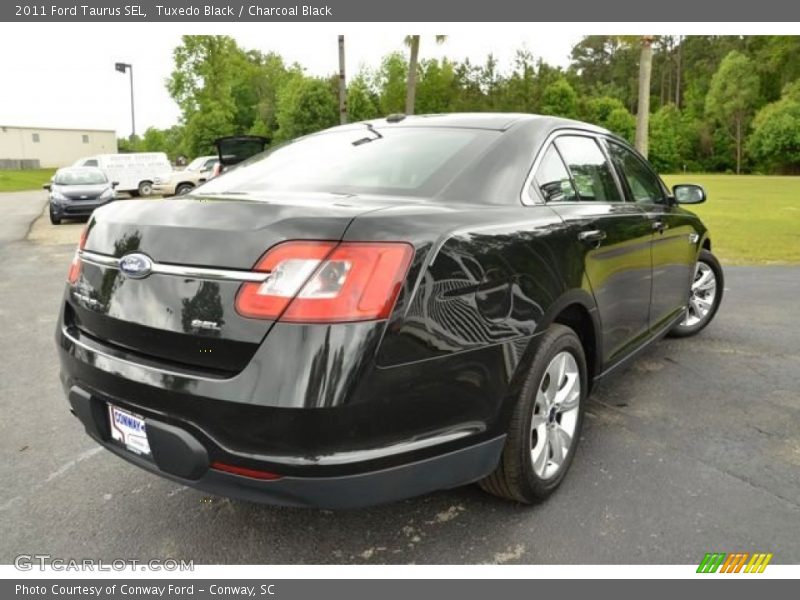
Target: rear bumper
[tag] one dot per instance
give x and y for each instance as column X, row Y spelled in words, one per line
column 350, row 434
column 181, row 457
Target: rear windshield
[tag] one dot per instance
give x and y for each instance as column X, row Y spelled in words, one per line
column 399, row 161
column 82, row 177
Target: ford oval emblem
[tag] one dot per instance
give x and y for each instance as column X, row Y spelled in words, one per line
column 136, row 265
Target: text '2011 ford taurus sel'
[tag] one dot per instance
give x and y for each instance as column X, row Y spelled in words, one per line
column 381, row 309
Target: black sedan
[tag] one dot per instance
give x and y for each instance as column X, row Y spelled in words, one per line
column 77, row 191
column 381, row 309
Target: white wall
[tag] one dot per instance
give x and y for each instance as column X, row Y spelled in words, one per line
column 56, row 147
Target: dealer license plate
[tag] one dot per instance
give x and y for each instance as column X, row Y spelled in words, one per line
column 128, row 430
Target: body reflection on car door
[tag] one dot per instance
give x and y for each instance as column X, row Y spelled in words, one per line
column 614, row 237
column 674, row 237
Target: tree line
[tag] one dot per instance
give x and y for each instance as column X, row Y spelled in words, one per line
column 716, row 103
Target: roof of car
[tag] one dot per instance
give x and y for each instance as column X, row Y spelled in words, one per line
column 496, row 121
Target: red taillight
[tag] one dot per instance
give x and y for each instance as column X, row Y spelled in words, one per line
column 326, row 282
column 290, row 264
column 75, row 266
column 244, row 471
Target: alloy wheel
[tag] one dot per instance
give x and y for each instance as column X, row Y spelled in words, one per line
column 702, row 295
column 555, row 415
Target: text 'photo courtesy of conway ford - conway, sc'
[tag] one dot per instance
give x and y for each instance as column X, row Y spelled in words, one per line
column 381, row 309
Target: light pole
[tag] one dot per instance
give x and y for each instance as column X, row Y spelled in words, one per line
column 122, row 67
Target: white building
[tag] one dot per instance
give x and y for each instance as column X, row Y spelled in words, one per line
column 51, row 147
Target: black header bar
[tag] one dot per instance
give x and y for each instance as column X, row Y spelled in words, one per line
column 444, row 11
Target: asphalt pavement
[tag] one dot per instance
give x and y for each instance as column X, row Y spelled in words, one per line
column 693, row 448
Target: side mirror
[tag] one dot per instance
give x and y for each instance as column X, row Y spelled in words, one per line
column 114, row 184
column 47, row 187
column 688, row 193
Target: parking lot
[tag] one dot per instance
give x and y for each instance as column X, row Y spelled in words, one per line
column 695, row 447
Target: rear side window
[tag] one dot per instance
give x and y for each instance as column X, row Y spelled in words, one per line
column 591, row 173
column 642, row 181
column 552, row 178
column 89, row 163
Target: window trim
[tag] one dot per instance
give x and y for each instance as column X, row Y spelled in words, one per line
column 621, row 174
column 525, row 195
column 566, row 169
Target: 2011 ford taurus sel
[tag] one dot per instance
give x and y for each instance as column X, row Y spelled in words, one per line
column 381, row 309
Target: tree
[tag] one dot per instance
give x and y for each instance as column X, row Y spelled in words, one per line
column 775, row 141
column 205, row 126
column 163, row 140
column 205, row 67
column 643, row 106
column 560, row 99
column 606, row 65
column 519, row 92
column 342, row 84
column 223, row 88
column 412, row 41
column 391, row 80
column 597, row 110
column 129, row 144
column 202, row 83
column 667, row 141
column 436, row 87
column 362, row 102
column 733, row 97
column 621, row 122
column 478, row 87
column 305, row 105
column 269, row 78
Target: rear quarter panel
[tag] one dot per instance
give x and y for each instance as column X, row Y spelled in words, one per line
column 484, row 282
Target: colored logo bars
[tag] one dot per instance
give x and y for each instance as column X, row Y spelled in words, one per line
column 734, row 563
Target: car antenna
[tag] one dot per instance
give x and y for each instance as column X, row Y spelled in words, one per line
column 372, row 129
column 366, row 140
column 395, row 118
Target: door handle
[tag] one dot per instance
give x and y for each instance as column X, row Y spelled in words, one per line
column 594, row 236
column 660, row 226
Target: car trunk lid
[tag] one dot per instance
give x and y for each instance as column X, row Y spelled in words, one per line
column 180, row 317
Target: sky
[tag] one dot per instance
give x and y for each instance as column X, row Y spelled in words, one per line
column 63, row 75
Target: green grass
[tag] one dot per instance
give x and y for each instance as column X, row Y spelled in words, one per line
column 752, row 219
column 27, row 179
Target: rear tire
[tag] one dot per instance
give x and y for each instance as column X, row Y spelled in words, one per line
column 547, row 418
column 705, row 296
column 145, row 188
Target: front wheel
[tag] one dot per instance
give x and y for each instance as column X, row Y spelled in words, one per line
column 546, row 422
column 54, row 219
column 705, row 296
column 183, row 188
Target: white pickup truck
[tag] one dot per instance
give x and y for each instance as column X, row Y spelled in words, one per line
column 180, row 182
